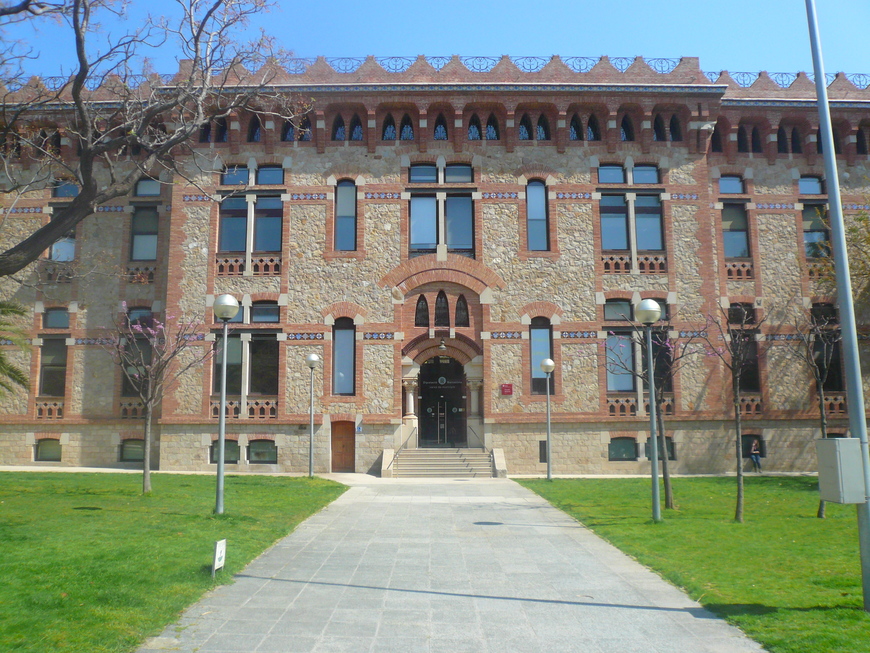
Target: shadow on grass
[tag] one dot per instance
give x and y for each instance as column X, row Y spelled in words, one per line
column 758, row 609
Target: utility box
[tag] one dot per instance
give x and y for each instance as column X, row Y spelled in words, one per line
column 841, row 472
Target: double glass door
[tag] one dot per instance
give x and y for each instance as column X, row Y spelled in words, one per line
column 442, row 415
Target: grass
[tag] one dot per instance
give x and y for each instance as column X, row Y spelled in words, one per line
column 791, row 581
column 90, row 564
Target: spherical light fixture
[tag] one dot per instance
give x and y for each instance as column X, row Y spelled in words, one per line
column 648, row 311
column 548, row 365
column 225, row 307
column 312, row 360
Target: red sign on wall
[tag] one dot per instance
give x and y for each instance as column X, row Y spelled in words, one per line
column 507, row 389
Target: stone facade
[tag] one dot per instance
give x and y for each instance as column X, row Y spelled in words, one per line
column 480, row 243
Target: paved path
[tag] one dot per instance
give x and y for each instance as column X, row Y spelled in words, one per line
column 430, row 566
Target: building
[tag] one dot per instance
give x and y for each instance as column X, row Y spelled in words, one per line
column 433, row 229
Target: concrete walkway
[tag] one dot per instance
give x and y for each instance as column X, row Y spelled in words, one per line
column 431, row 565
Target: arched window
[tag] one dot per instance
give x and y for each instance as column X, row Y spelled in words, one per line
column 305, row 129
column 756, row 141
column 676, row 130
column 421, row 313
column 356, row 130
column 537, row 223
column 389, row 129
column 525, row 131
column 626, row 129
column 622, row 448
column 344, row 357
column 254, row 131
column 345, row 216
column 742, row 139
column 132, row 450
column 593, row 131
column 658, row 128
column 492, row 133
column 48, row 450
column 231, row 452
column 440, row 128
column 861, row 142
column 575, row 130
column 407, row 131
column 796, row 146
column 262, row 452
column 781, row 141
column 836, row 134
column 543, row 129
column 541, row 344
column 474, row 131
column 442, row 310
column 716, row 140
column 221, row 133
column 819, row 145
column 288, row 132
column 205, row 133
column 339, row 133
column 461, row 316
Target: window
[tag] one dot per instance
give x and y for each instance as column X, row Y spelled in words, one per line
column 676, row 130
column 823, row 315
column 524, row 133
column 662, row 358
column 140, row 315
column 132, row 450
column 262, row 452
column 305, row 129
column 622, row 449
column 741, row 313
column 608, row 174
column 756, row 141
column 268, row 216
column 731, row 185
column 461, row 315
column 861, row 142
column 52, row 367
column 575, row 129
column 645, row 174
column 542, row 129
column 389, row 130
column 810, row 186
column 626, row 129
column 492, row 133
column 221, row 134
column 735, row 231
column 234, row 176
column 816, row 238
column 619, row 354
column 796, row 141
column 338, row 131
column 231, row 452
column 205, row 133
column 345, row 216
column 781, row 141
column 659, row 129
column 828, row 360
column 265, row 311
column 48, row 450
column 669, row 444
column 406, row 132
column 749, row 378
column 64, row 248
column 263, row 355
column 742, row 139
column 232, row 235
column 55, row 318
column 140, row 353
column 648, row 223
column 537, row 222
column 143, row 236
column 356, row 128
column 746, row 445
column 270, row 176
column 421, row 312
column 458, row 173
column 147, row 188
column 542, row 451
column 344, row 357
column 459, row 220
column 440, row 132
column 64, row 188
column 614, row 222
column 474, row 130
column 593, row 131
column 288, row 132
column 423, row 173
column 617, row 310
column 541, row 346
column 442, row 310
column 255, row 131
column 424, row 224
column 716, row 140
column 234, row 366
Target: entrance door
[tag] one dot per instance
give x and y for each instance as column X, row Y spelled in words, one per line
column 343, row 447
column 442, row 403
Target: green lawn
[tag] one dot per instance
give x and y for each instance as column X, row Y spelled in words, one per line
column 89, row 564
column 789, row 580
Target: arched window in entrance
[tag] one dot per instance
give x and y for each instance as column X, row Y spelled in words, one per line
column 461, row 318
column 421, row 314
column 442, row 310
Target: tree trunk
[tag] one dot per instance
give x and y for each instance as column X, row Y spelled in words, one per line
column 146, row 459
column 738, row 442
column 823, row 424
column 666, row 472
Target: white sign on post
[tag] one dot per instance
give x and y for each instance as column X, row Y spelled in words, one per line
column 220, row 556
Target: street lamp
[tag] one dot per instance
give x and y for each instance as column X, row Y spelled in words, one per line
column 225, row 309
column 647, row 312
column 311, row 361
column 547, row 366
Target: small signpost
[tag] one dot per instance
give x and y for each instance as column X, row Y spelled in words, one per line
column 220, row 556
column 507, row 389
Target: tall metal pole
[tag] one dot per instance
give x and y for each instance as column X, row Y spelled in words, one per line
column 854, row 393
column 549, row 456
column 222, row 425
column 311, row 427
column 653, row 435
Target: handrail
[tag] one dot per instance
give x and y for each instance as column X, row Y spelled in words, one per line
column 402, row 446
column 471, row 428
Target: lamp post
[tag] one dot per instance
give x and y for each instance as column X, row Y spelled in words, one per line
column 311, row 360
column 547, row 366
column 647, row 312
column 225, row 309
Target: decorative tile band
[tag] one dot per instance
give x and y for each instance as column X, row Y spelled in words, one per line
column 775, row 205
column 94, row 341
column 304, row 336
column 857, row 207
column 379, row 336
column 574, row 196
column 197, row 198
column 684, row 196
column 24, row 209
column 4, row 341
column 383, row 196
column 693, row 334
column 579, row 334
column 194, row 337
column 782, row 336
column 500, row 196
column 308, row 196
column 110, row 209
column 501, row 335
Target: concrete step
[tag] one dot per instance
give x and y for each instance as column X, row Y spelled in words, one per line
column 443, row 463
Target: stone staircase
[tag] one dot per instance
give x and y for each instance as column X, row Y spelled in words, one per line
column 443, row 463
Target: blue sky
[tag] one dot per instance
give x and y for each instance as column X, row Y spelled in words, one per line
column 736, row 35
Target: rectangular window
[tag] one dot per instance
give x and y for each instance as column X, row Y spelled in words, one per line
column 233, row 225
column 827, row 357
column 669, row 443
column 614, row 223
column 55, row 318
column 235, row 176
column 810, row 186
column 265, row 312
column 231, row 452
column 424, row 173
column 147, row 188
column 139, row 354
column 269, row 176
column 730, row 185
column 64, row 248
column 617, row 309
column 611, row 175
column 622, row 449
column 143, row 240
column 262, row 452
column 234, row 366
column 735, row 231
column 268, row 214
column 264, row 364
column 345, row 216
column 344, row 357
column 816, row 238
column 645, row 175
column 458, row 173
column 542, row 451
column 65, row 189
column 750, row 374
column 648, row 220
column 619, row 350
column 541, row 343
column 424, row 224
column 48, row 450
column 52, row 367
column 536, row 215
column 459, row 215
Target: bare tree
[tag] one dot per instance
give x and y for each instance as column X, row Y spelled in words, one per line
column 123, row 124
column 153, row 356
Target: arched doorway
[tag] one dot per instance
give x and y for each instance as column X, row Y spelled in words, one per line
column 442, row 412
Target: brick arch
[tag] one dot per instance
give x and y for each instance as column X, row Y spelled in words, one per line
column 343, row 171
column 456, row 269
column 547, row 175
column 422, row 348
column 264, row 297
column 542, row 309
column 344, row 309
